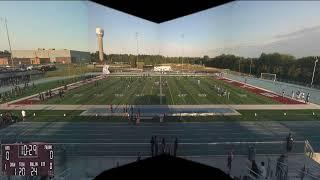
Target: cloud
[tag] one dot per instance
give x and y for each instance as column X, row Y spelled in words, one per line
column 298, row 43
column 298, row 33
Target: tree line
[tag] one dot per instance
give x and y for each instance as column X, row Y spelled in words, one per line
column 286, row 66
column 147, row 59
column 4, row 53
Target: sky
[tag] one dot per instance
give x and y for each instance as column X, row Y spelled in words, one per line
column 44, row 24
column 243, row 28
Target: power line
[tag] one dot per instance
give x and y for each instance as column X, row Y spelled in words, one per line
column 6, row 26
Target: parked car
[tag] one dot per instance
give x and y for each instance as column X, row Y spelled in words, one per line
column 29, row 68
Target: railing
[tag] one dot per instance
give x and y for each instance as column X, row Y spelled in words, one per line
column 297, row 173
column 315, row 86
column 63, row 175
column 308, row 149
column 250, row 172
column 306, row 174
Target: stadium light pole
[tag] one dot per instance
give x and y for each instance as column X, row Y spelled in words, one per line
column 5, row 22
column 250, row 65
column 239, row 65
column 314, row 69
column 137, row 46
column 182, row 51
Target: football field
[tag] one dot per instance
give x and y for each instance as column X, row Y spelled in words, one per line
column 146, row 90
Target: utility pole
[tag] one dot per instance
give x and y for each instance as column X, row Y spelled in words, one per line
column 8, row 36
column 137, row 47
column 160, row 89
column 314, row 69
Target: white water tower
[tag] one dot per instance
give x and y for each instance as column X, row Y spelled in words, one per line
column 100, row 33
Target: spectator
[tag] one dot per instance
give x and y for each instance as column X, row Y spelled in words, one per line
column 229, row 161
column 139, row 157
column 23, row 113
column 163, row 145
column 252, row 153
column 280, row 169
column 152, row 146
column 307, row 98
column 289, row 142
column 254, row 169
column 175, row 147
column 263, row 170
column 156, row 145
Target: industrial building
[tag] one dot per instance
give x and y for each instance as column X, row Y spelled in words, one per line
column 44, row 56
column 4, row 59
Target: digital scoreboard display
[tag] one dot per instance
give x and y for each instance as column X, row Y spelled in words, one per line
column 32, row 159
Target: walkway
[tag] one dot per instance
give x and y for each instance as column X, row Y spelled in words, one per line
column 120, row 107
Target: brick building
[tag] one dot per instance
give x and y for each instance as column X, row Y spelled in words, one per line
column 44, row 56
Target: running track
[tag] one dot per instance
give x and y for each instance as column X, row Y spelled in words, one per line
column 195, row 139
column 262, row 92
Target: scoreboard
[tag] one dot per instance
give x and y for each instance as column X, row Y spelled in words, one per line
column 31, row 159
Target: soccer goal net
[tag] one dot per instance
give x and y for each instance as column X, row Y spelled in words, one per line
column 268, row 76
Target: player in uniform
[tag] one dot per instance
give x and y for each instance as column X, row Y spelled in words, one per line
column 23, row 113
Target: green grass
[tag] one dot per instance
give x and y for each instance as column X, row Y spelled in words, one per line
column 40, row 88
column 110, row 90
column 246, row 115
column 70, row 70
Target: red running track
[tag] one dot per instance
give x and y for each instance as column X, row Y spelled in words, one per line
column 26, row 102
column 258, row 91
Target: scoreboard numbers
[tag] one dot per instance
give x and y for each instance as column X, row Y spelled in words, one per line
column 51, row 154
column 34, row 171
column 22, row 171
column 7, row 155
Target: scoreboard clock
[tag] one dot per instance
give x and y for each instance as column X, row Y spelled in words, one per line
column 31, row 159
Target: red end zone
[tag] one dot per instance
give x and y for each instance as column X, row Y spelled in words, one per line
column 261, row 92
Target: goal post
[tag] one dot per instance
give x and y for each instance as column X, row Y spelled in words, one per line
column 268, row 76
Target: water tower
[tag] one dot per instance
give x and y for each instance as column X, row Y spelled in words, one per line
column 100, row 33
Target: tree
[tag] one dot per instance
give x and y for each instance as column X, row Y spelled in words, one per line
column 286, row 66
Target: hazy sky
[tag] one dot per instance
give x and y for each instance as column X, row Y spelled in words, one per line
column 47, row 24
column 245, row 28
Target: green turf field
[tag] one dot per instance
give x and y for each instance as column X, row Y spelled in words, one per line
column 39, row 88
column 70, row 70
column 146, row 90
